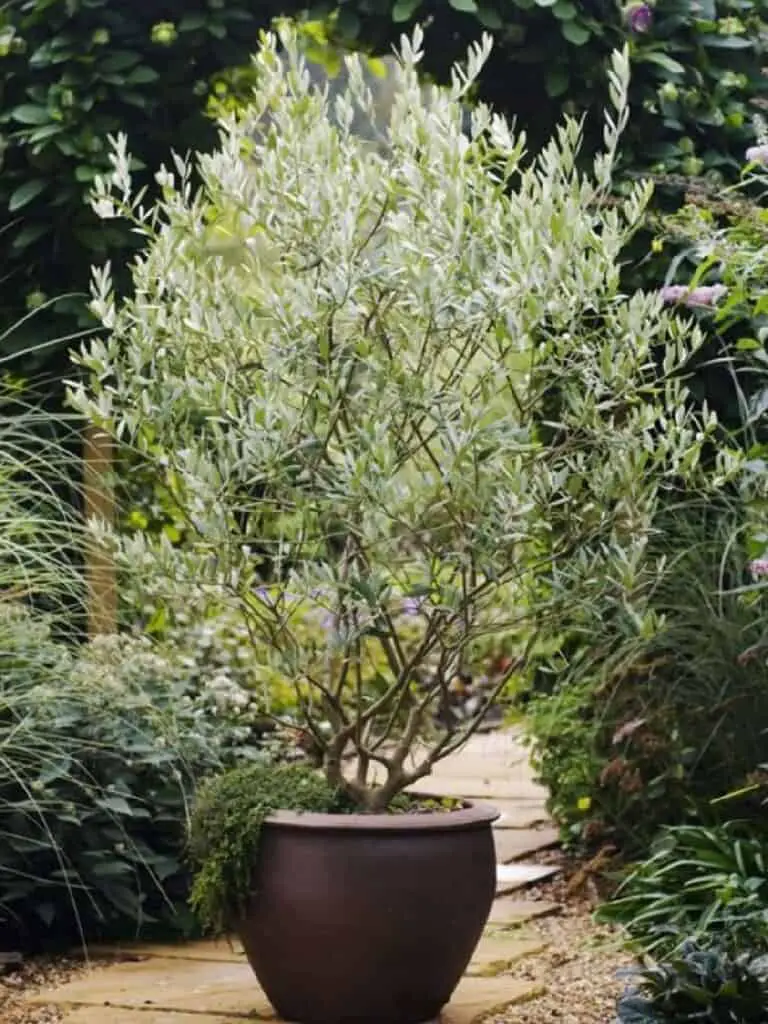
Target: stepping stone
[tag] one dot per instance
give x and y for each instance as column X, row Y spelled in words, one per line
column 511, row 877
column 479, row 789
column 508, row 911
column 495, row 955
column 511, row 844
column 166, row 984
column 216, row 951
column 475, row 998
column 98, row 1015
column 519, row 814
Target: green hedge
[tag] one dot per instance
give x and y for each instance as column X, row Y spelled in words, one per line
column 74, row 71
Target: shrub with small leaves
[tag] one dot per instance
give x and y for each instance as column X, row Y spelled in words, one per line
column 225, row 830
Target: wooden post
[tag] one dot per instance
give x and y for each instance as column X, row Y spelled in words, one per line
column 99, row 503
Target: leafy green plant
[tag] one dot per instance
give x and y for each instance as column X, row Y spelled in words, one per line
column 697, row 70
column 100, row 752
column 320, row 339
column 699, row 984
column 705, row 884
column 74, row 74
column 225, row 831
column 642, row 716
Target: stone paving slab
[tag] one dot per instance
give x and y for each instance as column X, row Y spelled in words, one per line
column 166, row 990
column 509, row 911
column 513, row 877
column 217, row 951
column 168, row 984
column 475, row 998
column 496, row 954
column 512, row 844
column 118, row 1015
column 519, row 814
column 479, row 789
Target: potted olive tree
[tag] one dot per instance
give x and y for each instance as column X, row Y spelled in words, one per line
column 391, row 387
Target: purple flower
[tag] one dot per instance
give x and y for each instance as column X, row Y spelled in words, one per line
column 759, row 567
column 412, row 605
column 757, row 154
column 695, row 298
column 639, row 17
column 329, row 622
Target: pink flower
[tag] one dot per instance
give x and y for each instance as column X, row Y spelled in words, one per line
column 757, row 154
column 639, row 17
column 695, row 298
column 759, row 567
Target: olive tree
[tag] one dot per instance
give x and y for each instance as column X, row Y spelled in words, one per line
column 414, row 354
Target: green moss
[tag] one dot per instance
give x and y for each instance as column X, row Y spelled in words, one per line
column 225, row 830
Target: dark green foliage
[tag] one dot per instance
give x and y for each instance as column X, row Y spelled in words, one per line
column 97, row 770
column 73, row 72
column 697, row 67
column 706, row 985
column 709, row 884
column 226, row 827
column 648, row 711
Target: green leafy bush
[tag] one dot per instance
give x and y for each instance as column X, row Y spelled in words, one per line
column 225, row 830
column 697, row 68
column 642, row 714
column 99, row 756
column 705, row 884
column 368, row 300
column 699, row 984
column 74, row 73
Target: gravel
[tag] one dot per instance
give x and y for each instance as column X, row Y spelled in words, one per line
column 32, row 976
column 578, row 969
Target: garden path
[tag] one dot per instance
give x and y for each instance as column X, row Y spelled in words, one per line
column 210, row 983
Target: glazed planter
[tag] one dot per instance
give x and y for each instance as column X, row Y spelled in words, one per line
column 368, row 919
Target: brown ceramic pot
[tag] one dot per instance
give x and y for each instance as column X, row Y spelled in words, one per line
column 368, row 919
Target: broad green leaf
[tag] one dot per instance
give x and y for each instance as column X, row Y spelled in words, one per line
column 29, row 234
column 470, row 6
column 192, row 22
column 575, row 33
column 564, row 10
column 348, row 23
column 141, row 76
column 662, row 60
column 404, row 10
column 26, row 193
column 30, row 113
column 489, row 17
column 556, row 81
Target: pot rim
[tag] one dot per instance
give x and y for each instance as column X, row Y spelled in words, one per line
column 470, row 815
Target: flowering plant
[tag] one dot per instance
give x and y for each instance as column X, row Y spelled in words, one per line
column 417, row 359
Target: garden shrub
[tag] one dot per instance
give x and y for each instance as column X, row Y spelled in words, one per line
column 74, row 73
column 697, row 68
column 225, row 831
column 700, row 983
column 100, row 752
column 642, row 715
column 704, row 884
